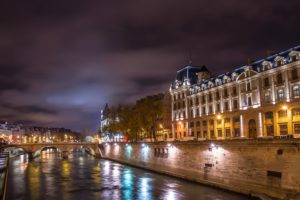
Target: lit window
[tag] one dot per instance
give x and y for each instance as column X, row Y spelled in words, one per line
column 270, row 130
column 267, row 96
column 227, row 120
column 282, row 113
column 297, row 128
column 227, row 132
column 296, row 92
column 249, row 101
column 283, row 129
column 219, row 132
column 280, row 94
column 296, row 112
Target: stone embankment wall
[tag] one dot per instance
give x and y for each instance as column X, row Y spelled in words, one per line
column 256, row 167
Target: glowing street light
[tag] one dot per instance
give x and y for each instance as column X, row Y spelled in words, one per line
column 284, row 107
column 219, row 117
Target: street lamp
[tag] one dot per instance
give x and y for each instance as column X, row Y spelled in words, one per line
column 284, row 107
column 219, row 117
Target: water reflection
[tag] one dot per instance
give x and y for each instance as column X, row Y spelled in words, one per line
column 84, row 177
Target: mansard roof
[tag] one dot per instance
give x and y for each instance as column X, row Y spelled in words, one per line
column 189, row 73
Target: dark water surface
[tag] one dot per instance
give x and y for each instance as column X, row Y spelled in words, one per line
column 83, row 177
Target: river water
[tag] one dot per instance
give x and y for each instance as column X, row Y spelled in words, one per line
column 83, row 177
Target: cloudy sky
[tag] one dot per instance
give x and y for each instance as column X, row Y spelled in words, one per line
column 61, row 61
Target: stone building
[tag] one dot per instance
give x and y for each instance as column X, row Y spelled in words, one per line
column 260, row 99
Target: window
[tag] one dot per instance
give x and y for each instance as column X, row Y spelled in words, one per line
column 279, row 78
column 178, row 107
column 282, row 113
column 283, row 128
column 219, row 121
column 234, row 93
column 192, row 133
column 204, row 123
column 174, row 106
column 197, row 101
column 248, row 86
column 227, row 120
column 198, row 134
column 226, row 106
column 198, row 124
column 210, row 109
column 266, row 82
column 279, row 62
column 203, row 110
column 280, row 95
column 296, row 112
column 184, row 134
column 212, row 134
column 236, row 120
column 210, row 97
column 267, row 96
column 219, row 132
column 203, row 99
column 270, row 130
column 227, row 132
column 295, row 91
column 211, row 122
column 205, row 134
column 294, row 74
column 269, row 115
column 191, row 102
column 249, row 101
column 225, row 93
column 197, row 112
column 192, row 113
column 297, row 128
column 235, row 104
column 217, row 95
column 183, row 104
column 192, row 124
column 236, row 132
column 218, row 107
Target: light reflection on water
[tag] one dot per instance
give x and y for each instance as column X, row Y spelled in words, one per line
column 84, row 177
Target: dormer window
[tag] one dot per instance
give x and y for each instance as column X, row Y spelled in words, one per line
column 266, row 65
column 210, row 84
column 294, row 56
column 279, row 61
column 218, row 82
column 234, row 76
column 226, row 79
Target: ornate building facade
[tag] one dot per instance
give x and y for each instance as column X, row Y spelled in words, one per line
column 261, row 99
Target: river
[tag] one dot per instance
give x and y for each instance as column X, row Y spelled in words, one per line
column 83, row 177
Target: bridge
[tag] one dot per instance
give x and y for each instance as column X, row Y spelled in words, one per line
column 35, row 149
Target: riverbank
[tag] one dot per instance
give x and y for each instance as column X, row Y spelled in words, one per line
column 261, row 168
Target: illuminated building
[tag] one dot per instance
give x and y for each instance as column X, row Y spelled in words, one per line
column 260, row 99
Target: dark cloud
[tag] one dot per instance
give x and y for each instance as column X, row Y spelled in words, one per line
column 61, row 60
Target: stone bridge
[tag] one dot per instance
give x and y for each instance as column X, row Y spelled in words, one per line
column 34, row 149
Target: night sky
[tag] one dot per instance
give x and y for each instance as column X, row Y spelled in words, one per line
column 61, row 61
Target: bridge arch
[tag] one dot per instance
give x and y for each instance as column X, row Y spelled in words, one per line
column 35, row 149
